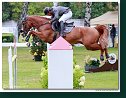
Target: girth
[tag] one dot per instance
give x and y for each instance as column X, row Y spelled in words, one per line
column 54, row 37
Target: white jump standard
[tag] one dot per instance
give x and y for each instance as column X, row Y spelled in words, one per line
column 60, row 65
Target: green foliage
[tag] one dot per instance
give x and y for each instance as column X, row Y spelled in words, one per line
column 66, row 4
column 74, row 61
column 91, row 61
column 44, row 78
column 36, row 8
column 95, row 63
column 78, row 10
column 45, row 61
column 7, row 38
column 16, row 8
column 99, row 8
column 6, row 11
column 38, row 47
column 12, row 10
column 77, row 74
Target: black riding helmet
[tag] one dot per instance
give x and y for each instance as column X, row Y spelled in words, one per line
column 46, row 10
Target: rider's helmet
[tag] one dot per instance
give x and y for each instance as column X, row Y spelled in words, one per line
column 46, row 10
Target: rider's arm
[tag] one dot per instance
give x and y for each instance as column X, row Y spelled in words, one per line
column 55, row 14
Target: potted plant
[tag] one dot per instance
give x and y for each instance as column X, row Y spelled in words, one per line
column 91, row 63
column 38, row 48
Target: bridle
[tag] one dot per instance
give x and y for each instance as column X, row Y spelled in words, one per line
column 48, row 22
column 24, row 25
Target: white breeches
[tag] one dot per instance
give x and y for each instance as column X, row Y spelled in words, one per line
column 66, row 16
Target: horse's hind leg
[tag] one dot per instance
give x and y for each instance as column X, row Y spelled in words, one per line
column 96, row 46
column 93, row 47
column 102, row 56
column 106, row 53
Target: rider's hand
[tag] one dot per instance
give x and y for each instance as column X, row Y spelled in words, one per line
column 49, row 21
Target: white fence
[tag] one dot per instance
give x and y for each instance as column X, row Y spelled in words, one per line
column 12, row 30
column 11, row 59
column 12, row 44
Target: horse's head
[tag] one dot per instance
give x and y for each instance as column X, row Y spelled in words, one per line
column 26, row 26
column 33, row 21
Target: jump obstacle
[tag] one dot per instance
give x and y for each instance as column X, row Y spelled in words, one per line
column 106, row 67
column 11, row 59
column 60, row 71
column 60, row 65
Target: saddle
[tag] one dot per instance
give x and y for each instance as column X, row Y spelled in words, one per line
column 67, row 29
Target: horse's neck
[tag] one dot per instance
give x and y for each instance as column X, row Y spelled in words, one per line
column 47, row 32
column 38, row 21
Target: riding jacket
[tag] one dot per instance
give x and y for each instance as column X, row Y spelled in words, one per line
column 59, row 11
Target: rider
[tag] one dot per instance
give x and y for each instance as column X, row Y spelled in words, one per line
column 55, row 12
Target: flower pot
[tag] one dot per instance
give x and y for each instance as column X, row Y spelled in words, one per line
column 38, row 58
column 88, row 67
column 94, row 67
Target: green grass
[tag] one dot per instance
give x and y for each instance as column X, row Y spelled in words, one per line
column 28, row 71
column 80, row 53
column 101, row 80
column 7, row 34
column 28, row 76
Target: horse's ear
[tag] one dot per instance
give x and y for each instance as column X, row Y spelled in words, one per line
column 25, row 18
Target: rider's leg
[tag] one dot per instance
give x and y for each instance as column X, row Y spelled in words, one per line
column 62, row 29
column 62, row 20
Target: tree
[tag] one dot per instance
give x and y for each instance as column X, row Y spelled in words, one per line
column 66, row 4
column 12, row 10
column 99, row 8
column 22, row 16
column 87, row 14
column 6, row 11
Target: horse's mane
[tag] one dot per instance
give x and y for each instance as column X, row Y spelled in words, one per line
column 43, row 17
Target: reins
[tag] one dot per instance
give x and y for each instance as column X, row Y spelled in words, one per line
column 45, row 23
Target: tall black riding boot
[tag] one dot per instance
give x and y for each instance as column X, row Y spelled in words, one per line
column 62, row 29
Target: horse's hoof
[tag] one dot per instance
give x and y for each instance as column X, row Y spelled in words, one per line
column 102, row 58
column 27, row 44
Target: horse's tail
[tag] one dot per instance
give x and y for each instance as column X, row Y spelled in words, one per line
column 103, row 40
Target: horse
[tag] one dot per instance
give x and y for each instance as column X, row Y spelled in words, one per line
column 93, row 38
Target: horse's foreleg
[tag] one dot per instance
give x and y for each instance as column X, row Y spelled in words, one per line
column 28, row 36
column 38, row 34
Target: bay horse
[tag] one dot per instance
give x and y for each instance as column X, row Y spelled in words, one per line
column 92, row 38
